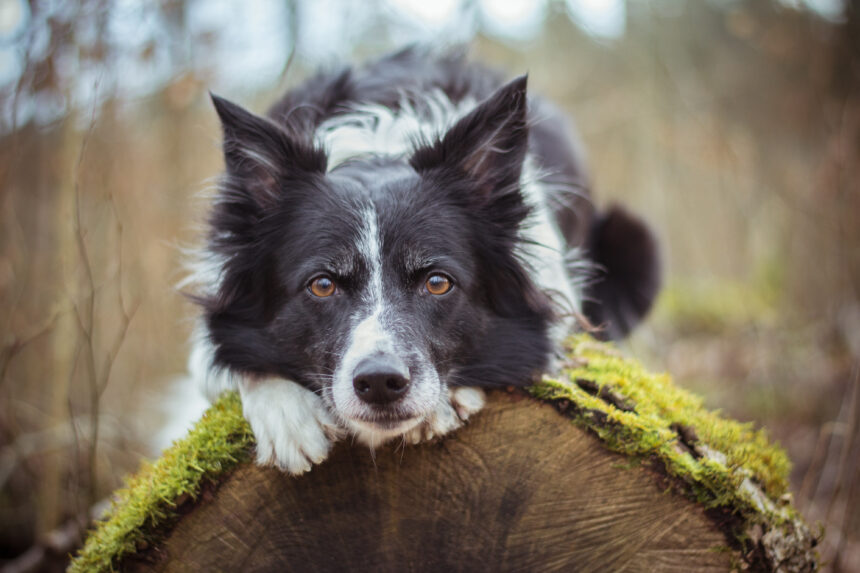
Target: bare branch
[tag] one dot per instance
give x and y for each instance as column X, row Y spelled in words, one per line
column 87, row 329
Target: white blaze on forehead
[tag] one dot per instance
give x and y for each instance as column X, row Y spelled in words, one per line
column 369, row 245
column 369, row 334
column 369, row 337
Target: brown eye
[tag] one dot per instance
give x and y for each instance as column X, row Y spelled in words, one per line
column 438, row 284
column 321, row 287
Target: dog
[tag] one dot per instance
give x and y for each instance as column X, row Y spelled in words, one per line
column 392, row 239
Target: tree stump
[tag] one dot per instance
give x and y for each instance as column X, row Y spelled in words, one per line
column 529, row 484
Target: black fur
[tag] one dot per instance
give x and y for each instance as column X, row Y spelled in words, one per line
column 280, row 221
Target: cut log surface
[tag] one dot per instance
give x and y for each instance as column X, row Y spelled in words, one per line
column 519, row 488
column 604, row 467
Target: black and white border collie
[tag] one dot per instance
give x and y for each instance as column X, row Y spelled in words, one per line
column 391, row 239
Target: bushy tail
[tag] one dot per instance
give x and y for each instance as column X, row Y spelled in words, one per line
column 628, row 273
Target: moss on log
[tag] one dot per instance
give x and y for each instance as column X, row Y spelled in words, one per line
column 606, row 466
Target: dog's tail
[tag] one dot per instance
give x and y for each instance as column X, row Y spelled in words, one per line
column 628, row 273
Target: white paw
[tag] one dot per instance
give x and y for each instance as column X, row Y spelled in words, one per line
column 293, row 428
column 467, row 401
column 452, row 411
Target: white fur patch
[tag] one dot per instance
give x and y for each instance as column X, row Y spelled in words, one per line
column 369, row 245
column 546, row 253
column 211, row 381
column 378, row 130
column 293, row 428
column 182, row 404
column 467, row 401
column 453, row 410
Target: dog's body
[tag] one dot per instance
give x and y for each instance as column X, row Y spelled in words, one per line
column 393, row 239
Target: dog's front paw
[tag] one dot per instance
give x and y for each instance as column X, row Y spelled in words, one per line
column 452, row 411
column 292, row 426
column 467, row 400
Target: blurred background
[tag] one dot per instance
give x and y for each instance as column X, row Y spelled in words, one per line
column 732, row 126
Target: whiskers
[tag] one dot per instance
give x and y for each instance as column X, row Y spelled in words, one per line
column 402, row 447
column 373, row 454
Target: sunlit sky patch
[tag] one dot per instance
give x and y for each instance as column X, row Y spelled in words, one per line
column 13, row 17
column 515, row 19
column 434, row 15
column 247, row 46
column 600, row 18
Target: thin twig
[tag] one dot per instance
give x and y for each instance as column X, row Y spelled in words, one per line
column 87, row 328
column 845, row 469
column 127, row 316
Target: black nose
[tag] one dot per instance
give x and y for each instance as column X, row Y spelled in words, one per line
column 380, row 379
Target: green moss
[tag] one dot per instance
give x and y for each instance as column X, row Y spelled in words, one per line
column 718, row 462
column 644, row 415
column 219, row 441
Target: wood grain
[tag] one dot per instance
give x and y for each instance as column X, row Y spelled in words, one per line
column 519, row 489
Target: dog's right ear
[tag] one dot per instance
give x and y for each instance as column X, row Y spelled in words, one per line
column 261, row 155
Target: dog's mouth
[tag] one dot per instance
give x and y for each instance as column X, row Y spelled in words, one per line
column 381, row 428
column 388, row 421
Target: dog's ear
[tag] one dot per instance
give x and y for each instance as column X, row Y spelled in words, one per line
column 488, row 145
column 260, row 155
column 627, row 258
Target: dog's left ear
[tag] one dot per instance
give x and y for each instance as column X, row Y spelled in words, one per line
column 488, row 145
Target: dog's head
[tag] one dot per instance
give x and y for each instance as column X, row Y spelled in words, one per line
column 383, row 281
